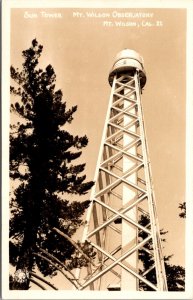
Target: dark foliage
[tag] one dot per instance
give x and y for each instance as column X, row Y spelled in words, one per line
column 182, row 206
column 42, row 153
column 175, row 274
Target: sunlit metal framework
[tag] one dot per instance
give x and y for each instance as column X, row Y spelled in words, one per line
column 122, row 196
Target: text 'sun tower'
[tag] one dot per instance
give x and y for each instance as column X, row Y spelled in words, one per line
column 122, row 222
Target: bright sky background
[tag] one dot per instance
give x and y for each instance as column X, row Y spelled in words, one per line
column 82, row 51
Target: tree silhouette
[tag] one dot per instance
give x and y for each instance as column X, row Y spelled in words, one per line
column 42, row 152
column 175, row 274
column 182, row 206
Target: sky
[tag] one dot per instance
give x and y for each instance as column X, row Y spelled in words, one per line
column 82, row 50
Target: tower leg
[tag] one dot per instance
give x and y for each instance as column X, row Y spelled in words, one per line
column 129, row 233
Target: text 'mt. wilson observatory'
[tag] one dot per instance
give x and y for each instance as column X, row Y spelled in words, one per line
column 114, row 14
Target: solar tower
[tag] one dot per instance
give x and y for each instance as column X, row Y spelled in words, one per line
column 122, row 222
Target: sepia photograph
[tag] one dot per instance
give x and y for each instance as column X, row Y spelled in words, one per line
column 97, row 149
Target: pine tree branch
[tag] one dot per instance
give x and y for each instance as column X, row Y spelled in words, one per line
column 58, row 261
column 54, row 258
column 21, row 114
column 74, row 244
column 41, row 279
column 59, row 269
column 37, row 283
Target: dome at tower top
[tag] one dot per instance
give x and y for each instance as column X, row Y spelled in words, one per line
column 128, row 53
column 128, row 61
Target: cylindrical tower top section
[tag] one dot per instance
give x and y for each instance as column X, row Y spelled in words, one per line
column 128, row 61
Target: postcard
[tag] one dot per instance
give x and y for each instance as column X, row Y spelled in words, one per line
column 97, row 149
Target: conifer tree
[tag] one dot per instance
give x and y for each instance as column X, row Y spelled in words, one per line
column 175, row 274
column 42, row 155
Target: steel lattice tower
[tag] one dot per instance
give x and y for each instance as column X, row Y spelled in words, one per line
column 123, row 195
